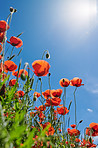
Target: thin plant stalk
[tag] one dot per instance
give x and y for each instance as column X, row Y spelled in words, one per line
column 64, row 104
column 75, row 107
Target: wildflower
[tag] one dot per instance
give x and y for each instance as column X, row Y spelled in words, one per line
column 1, row 48
column 15, row 73
column 37, row 94
column 76, row 82
column 20, row 93
column 64, row 82
column 41, row 67
column 87, row 143
column 92, row 130
column 73, row 125
column 42, row 108
column 0, row 57
column 10, row 65
column 3, row 26
column 56, row 93
column 50, row 130
column 62, row 110
column 53, row 102
column 47, row 94
column 12, row 82
column 77, row 140
column 14, row 41
column 73, row 132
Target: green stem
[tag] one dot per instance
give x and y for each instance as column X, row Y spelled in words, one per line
column 64, row 103
column 75, row 107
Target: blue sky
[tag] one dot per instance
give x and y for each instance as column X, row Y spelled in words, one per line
column 69, row 30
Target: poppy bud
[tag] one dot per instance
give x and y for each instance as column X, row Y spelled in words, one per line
column 23, row 77
column 11, row 9
column 47, row 55
column 40, row 79
column 49, row 74
column 80, row 121
column 35, row 98
column 15, row 10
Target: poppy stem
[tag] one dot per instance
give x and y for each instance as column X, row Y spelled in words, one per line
column 41, row 92
column 64, row 103
column 75, row 108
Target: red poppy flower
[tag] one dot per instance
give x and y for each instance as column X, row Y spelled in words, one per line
column 77, row 140
column 12, row 82
column 20, row 72
column 76, row 82
column 0, row 57
column 92, row 130
column 42, row 108
column 47, row 94
column 14, row 41
column 20, row 93
column 73, row 132
column 1, row 48
column 62, row 110
column 50, row 130
column 87, row 143
column 10, row 65
column 56, row 93
column 41, row 67
column 53, row 102
column 37, row 94
column 3, row 26
column 73, row 125
column 64, row 82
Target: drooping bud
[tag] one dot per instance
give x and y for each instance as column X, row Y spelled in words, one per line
column 47, row 55
column 11, row 9
column 23, row 77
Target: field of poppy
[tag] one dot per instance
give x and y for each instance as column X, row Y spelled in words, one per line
column 23, row 123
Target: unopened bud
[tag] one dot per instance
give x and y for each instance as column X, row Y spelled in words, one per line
column 11, row 9
column 80, row 121
column 40, row 79
column 49, row 74
column 47, row 55
column 23, row 77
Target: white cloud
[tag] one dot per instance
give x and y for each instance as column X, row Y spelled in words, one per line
column 89, row 110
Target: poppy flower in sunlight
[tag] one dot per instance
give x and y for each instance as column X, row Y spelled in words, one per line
column 20, row 93
column 14, row 41
column 56, row 93
column 64, row 82
column 0, row 57
column 62, row 110
column 92, row 130
column 3, row 26
column 42, row 108
column 12, row 82
column 87, row 143
column 37, row 94
column 73, row 132
column 1, row 48
column 10, row 65
column 73, row 125
column 14, row 73
column 41, row 67
column 76, row 82
column 77, row 140
column 47, row 94
column 50, row 129
column 53, row 102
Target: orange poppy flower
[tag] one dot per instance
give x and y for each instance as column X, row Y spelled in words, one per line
column 42, row 108
column 73, row 132
column 3, row 26
column 1, row 48
column 12, row 82
column 53, row 102
column 10, row 65
column 41, row 67
column 56, row 93
column 37, row 94
column 50, row 130
column 76, row 82
column 20, row 72
column 47, row 94
column 14, row 41
column 0, row 57
column 62, row 110
column 77, row 140
column 92, row 130
column 73, row 125
column 20, row 93
column 64, row 82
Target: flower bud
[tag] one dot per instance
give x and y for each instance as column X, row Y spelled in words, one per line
column 47, row 55
column 23, row 77
column 11, row 9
